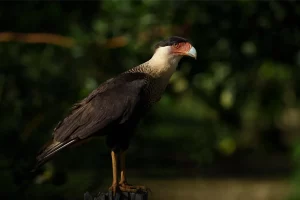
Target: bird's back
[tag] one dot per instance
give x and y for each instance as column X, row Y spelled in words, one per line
column 111, row 104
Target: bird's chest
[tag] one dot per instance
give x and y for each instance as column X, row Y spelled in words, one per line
column 156, row 88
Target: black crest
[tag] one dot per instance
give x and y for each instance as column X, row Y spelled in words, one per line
column 170, row 41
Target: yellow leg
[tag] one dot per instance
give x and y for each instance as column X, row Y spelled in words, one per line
column 123, row 185
column 123, row 167
column 114, row 160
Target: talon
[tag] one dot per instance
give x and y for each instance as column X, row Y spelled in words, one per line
column 125, row 187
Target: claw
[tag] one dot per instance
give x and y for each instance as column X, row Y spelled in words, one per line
column 125, row 187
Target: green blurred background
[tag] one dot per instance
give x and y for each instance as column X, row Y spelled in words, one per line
column 226, row 128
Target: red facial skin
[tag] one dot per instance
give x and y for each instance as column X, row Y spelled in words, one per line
column 181, row 48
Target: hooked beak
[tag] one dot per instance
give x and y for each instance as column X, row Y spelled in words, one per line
column 192, row 52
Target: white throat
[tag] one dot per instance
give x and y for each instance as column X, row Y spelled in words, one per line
column 163, row 62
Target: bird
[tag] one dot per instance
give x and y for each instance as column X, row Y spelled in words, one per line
column 114, row 109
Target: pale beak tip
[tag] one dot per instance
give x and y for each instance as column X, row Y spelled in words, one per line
column 192, row 52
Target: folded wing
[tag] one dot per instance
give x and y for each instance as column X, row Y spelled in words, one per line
column 114, row 105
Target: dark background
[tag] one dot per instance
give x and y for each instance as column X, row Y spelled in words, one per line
column 232, row 113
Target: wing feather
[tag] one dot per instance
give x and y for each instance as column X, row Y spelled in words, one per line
column 112, row 103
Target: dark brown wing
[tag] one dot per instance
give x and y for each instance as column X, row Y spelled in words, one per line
column 112, row 102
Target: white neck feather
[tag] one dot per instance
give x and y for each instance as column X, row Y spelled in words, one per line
column 161, row 67
column 162, row 62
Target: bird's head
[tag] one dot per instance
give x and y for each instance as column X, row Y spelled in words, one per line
column 175, row 47
column 167, row 55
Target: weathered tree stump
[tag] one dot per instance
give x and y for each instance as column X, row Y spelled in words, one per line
column 119, row 196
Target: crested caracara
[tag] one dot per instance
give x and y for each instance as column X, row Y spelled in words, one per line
column 117, row 105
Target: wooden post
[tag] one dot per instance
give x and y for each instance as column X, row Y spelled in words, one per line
column 122, row 196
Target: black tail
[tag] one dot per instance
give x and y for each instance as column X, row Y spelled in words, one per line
column 49, row 150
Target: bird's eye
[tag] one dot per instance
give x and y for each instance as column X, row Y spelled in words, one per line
column 177, row 46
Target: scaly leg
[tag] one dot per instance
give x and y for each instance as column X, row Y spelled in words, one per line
column 124, row 186
column 123, row 167
column 114, row 185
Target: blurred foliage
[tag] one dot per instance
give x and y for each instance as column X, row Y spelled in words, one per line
column 238, row 103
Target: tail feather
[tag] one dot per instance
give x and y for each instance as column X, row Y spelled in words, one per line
column 48, row 151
